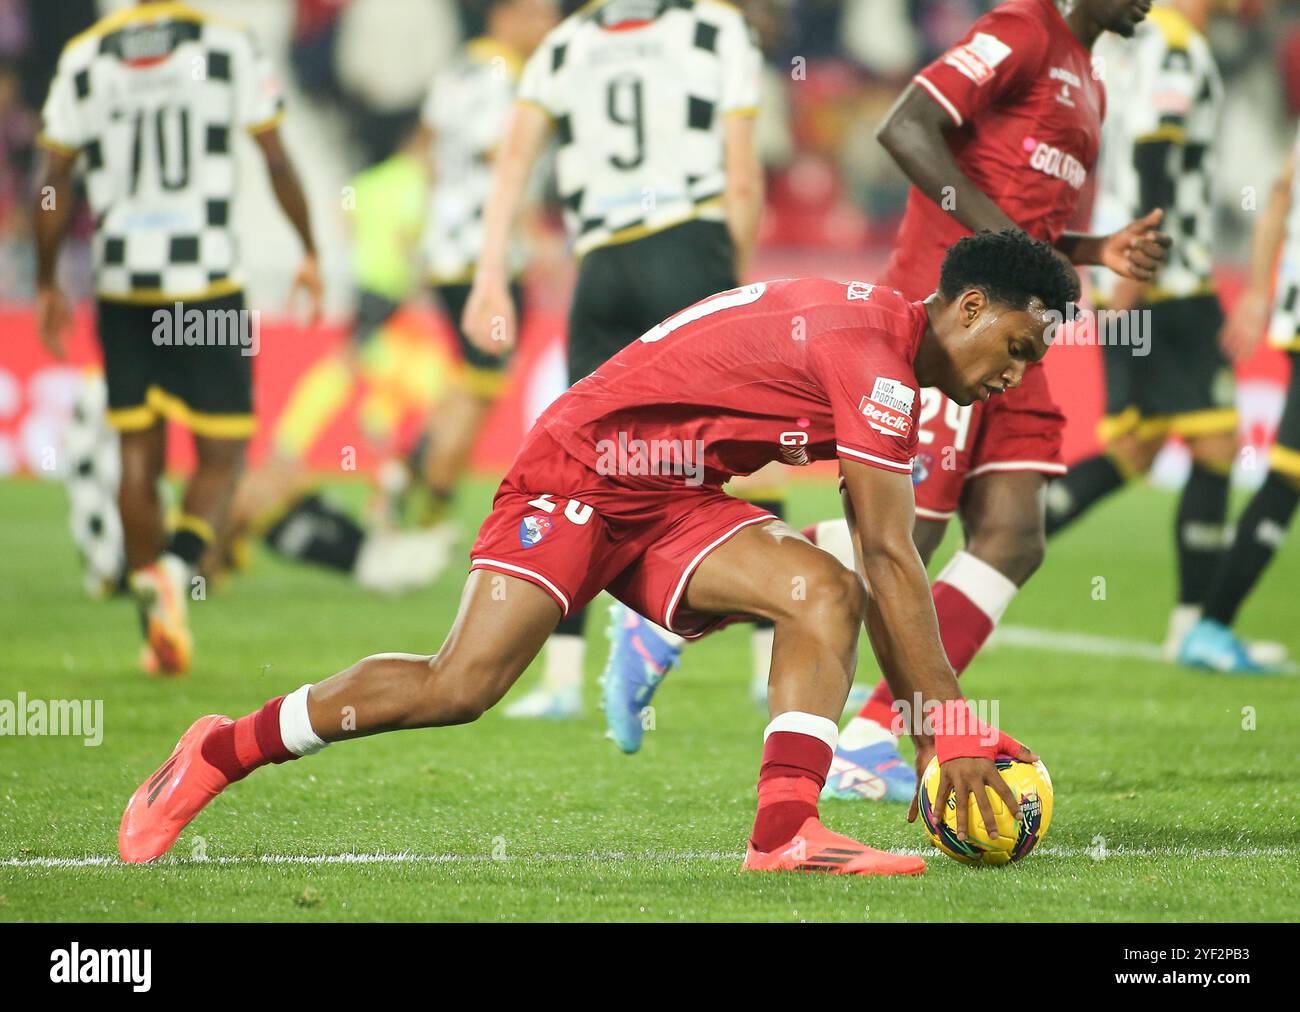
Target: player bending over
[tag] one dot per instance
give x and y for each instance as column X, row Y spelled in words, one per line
column 717, row 390
column 1001, row 131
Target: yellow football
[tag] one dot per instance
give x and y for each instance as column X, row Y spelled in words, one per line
column 1032, row 786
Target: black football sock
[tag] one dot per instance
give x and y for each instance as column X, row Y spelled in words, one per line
column 190, row 540
column 1198, row 531
column 314, row 531
column 1087, row 482
column 1260, row 531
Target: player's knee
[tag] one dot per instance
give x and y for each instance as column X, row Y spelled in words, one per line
column 455, row 692
column 1132, row 455
column 836, row 597
column 1215, row 452
column 1014, row 551
column 221, row 455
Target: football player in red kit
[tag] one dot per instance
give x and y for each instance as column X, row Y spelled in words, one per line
column 1001, row 130
column 619, row 487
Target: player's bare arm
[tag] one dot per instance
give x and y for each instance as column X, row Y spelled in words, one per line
column 288, row 191
column 903, row 629
column 1135, row 252
column 489, row 319
column 743, row 193
column 54, row 204
column 1249, row 316
column 913, row 134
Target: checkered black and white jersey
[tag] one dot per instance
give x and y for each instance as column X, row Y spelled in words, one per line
column 1284, row 328
column 1158, row 145
column 638, row 91
column 468, row 110
column 152, row 97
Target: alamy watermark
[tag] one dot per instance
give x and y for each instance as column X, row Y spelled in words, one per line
column 75, row 965
column 680, row 458
column 69, row 718
column 1108, row 328
column 921, row 718
column 178, row 327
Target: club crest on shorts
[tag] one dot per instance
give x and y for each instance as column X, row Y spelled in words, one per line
column 921, row 464
column 533, row 529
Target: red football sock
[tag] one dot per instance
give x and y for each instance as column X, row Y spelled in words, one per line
column 963, row 626
column 792, row 775
column 243, row 745
column 879, row 707
column 969, row 598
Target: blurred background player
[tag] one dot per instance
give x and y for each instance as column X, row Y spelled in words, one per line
column 1159, row 150
column 462, row 125
column 1262, row 527
column 652, row 106
column 394, row 217
column 402, row 372
column 155, row 140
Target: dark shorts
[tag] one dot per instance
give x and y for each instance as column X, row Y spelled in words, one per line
column 1183, row 385
column 373, row 312
column 559, row 524
column 484, row 372
column 625, row 289
column 197, row 371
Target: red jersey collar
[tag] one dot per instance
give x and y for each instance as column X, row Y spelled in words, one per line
column 1055, row 15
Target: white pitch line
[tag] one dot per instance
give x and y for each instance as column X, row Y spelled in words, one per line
column 406, row 857
column 1029, row 638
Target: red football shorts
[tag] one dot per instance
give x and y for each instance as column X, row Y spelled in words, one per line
column 557, row 523
column 1021, row 430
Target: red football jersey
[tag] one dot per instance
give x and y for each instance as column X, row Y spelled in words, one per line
column 1027, row 110
column 794, row 370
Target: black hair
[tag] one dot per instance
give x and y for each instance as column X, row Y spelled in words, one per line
column 1011, row 268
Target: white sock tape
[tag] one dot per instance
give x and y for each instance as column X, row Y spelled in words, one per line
column 988, row 590
column 833, row 536
column 821, row 728
column 295, row 726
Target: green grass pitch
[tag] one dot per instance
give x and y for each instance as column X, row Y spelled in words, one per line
column 1175, row 791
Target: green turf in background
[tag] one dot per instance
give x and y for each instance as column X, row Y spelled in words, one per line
column 1165, row 807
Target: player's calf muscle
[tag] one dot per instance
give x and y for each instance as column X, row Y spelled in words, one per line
column 1004, row 516
column 496, row 635
column 395, row 692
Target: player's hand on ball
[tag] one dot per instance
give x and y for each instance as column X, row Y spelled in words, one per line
column 489, row 318
column 971, row 775
column 965, row 777
column 53, row 319
column 1138, row 250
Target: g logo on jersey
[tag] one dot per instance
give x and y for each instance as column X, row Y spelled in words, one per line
column 793, row 448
